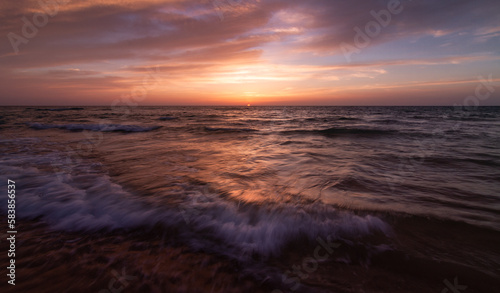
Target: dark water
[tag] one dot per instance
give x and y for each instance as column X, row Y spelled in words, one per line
column 410, row 197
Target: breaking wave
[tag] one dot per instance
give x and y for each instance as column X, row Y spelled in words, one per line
column 87, row 200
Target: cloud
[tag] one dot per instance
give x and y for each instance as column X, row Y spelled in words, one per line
column 335, row 21
column 113, row 43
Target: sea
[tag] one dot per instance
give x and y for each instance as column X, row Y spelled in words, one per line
column 252, row 199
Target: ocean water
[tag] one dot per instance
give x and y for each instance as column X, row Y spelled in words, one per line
column 234, row 199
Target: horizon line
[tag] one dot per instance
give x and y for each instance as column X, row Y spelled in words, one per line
column 246, row 106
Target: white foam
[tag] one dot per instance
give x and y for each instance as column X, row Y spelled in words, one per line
column 81, row 199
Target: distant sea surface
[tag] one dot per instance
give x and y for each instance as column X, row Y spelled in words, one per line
column 230, row 199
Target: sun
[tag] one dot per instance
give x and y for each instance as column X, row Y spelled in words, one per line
column 248, row 105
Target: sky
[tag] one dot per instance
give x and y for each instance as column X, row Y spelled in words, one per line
column 257, row 52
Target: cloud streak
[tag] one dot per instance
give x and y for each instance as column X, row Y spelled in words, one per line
column 92, row 50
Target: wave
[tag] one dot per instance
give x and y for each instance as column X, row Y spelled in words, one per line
column 345, row 131
column 460, row 161
column 59, row 109
column 473, row 118
column 225, row 129
column 87, row 201
column 387, row 121
column 289, row 142
column 94, row 127
column 349, row 118
column 421, row 117
column 167, row 118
